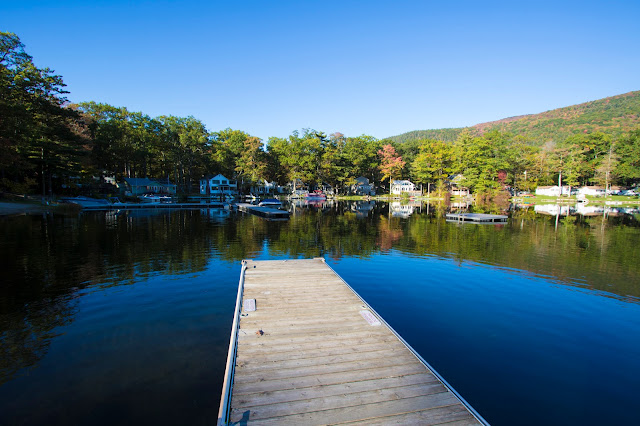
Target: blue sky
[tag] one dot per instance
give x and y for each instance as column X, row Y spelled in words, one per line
column 357, row 67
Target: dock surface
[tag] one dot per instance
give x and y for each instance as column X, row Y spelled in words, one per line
column 267, row 212
column 311, row 351
column 477, row 218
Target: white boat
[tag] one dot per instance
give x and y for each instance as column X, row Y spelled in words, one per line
column 270, row 202
column 155, row 199
column 88, row 202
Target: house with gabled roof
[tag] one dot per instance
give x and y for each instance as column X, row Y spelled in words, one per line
column 140, row 186
column 596, row 191
column 399, row 187
column 553, row 191
column 218, row 185
column 363, row 187
column 457, row 187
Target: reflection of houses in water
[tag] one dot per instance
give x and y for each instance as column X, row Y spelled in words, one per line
column 318, row 204
column 582, row 209
column 457, row 205
column 590, row 210
column 362, row 208
column 111, row 216
column 554, row 209
column 628, row 210
column 600, row 210
column 218, row 215
column 403, row 210
column 296, row 205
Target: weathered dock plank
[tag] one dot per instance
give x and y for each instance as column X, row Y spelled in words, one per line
column 478, row 218
column 313, row 352
column 266, row 212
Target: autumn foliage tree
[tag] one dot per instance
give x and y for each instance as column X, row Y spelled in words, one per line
column 391, row 164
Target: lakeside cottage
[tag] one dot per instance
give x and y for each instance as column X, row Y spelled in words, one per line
column 140, row 186
column 553, row 191
column 363, row 187
column 263, row 187
column 218, row 185
column 399, row 187
column 456, row 186
column 596, row 191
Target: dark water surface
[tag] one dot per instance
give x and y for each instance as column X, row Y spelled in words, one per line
column 125, row 317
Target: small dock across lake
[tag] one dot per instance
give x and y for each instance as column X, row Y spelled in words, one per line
column 266, row 212
column 479, row 218
column 306, row 349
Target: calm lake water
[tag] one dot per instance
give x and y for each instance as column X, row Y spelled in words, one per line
column 125, row 317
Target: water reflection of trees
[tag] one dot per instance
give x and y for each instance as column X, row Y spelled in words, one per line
column 596, row 252
column 48, row 260
column 32, row 302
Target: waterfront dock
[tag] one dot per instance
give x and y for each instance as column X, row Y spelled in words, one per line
column 479, row 218
column 306, row 349
column 265, row 212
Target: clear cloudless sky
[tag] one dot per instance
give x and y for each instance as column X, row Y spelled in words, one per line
column 379, row 68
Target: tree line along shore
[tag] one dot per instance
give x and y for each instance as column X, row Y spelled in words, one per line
column 51, row 146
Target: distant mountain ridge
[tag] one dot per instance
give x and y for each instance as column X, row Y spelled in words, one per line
column 614, row 115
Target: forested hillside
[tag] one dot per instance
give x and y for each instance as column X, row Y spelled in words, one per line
column 445, row 135
column 614, row 116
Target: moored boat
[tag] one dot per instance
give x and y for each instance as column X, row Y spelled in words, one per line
column 88, row 202
column 316, row 195
column 155, row 199
column 270, row 202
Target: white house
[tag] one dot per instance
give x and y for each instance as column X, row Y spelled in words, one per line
column 597, row 191
column 363, row 187
column 218, row 185
column 401, row 186
column 264, row 187
column 553, row 191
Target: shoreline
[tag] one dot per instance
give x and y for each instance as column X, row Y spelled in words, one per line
column 17, row 208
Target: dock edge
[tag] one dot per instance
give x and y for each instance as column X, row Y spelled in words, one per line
column 225, row 398
column 413, row 351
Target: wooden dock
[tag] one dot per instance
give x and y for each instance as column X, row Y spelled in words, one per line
column 479, row 218
column 306, row 349
column 266, row 212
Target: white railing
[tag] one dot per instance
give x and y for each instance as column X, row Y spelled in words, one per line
column 225, row 398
